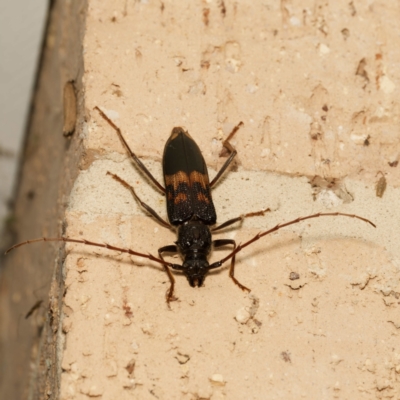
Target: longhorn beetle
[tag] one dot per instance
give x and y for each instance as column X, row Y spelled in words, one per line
column 190, row 210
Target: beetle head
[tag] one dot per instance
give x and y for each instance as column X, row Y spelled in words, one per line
column 195, row 271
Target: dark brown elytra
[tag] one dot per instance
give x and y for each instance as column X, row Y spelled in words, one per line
column 190, row 209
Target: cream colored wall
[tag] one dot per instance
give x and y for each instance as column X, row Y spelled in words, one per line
column 319, row 123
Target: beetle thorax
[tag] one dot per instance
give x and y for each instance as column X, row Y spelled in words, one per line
column 194, row 243
column 194, row 237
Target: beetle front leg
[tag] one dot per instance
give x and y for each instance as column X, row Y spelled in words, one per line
column 169, row 249
column 225, row 242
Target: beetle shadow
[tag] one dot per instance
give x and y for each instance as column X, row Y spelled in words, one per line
column 285, row 244
column 112, row 257
column 239, row 258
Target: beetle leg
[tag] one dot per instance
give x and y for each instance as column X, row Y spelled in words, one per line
column 169, row 249
column 241, row 218
column 232, row 151
column 144, row 205
column 131, row 153
column 224, row 242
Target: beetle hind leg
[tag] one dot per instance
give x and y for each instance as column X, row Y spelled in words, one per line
column 133, row 156
column 144, row 205
column 232, row 152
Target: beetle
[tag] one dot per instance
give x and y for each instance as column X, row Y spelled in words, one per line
column 190, row 210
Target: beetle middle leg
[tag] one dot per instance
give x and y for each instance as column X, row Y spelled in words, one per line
column 225, row 242
column 241, row 218
column 144, row 205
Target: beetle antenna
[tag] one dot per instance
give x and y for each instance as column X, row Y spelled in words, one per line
column 90, row 243
column 279, row 226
